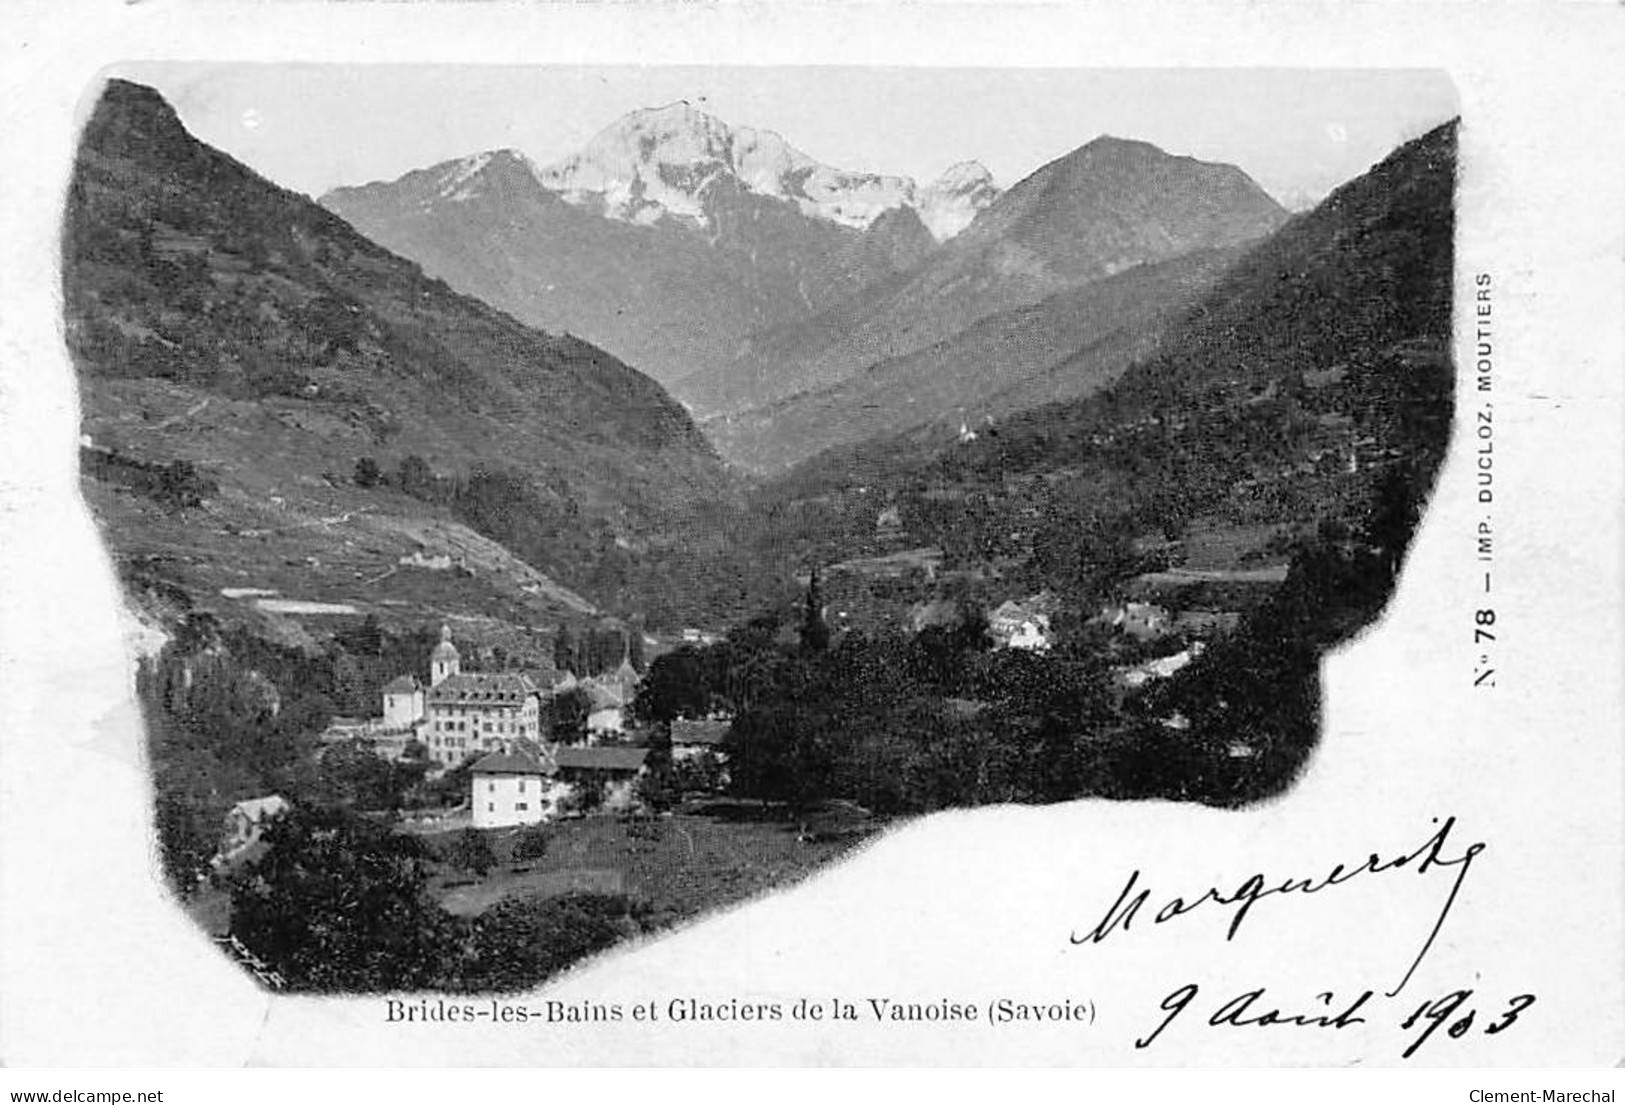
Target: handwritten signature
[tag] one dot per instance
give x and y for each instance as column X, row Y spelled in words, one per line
column 1433, row 853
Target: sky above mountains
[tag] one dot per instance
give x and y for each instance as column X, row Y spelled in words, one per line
column 1298, row 132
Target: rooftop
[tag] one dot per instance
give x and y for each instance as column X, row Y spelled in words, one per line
column 605, row 696
column 257, row 809
column 599, row 758
column 699, row 731
column 484, row 687
column 510, row 763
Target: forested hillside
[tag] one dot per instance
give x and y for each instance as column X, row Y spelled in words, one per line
column 1257, row 481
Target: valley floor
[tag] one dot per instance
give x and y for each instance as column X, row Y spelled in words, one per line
column 681, row 865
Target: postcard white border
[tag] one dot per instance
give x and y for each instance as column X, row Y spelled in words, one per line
column 97, row 969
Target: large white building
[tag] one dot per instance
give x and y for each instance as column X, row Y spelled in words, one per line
column 472, row 712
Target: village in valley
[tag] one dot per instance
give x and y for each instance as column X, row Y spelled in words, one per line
column 536, row 745
column 499, row 751
column 496, row 790
column 493, row 721
column 531, row 558
column 540, row 744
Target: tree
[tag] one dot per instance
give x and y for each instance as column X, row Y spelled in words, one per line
column 184, row 844
column 198, row 632
column 565, row 715
column 1396, row 509
column 179, row 485
column 521, row 941
column 415, row 477
column 657, row 788
column 366, row 639
column 701, row 774
column 338, row 904
column 814, row 630
column 452, row 787
column 367, row 473
column 587, row 793
column 676, row 685
column 353, row 776
column 532, row 843
column 787, row 746
column 564, row 650
column 334, row 325
column 471, row 851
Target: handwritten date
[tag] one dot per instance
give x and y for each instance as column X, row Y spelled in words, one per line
column 1454, row 1012
column 1442, row 1010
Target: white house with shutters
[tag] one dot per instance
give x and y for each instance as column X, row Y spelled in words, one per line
column 527, row 783
column 514, row 788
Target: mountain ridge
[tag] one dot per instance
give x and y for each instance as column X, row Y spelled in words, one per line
column 669, row 296
column 1106, row 207
column 1066, row 345
column 739, row 271
column 655, row 163
column 258, row 348
column 1386, row 234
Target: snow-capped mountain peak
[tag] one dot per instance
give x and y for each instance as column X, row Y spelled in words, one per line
column 646, row 165
column 662, row 163
column 948, row 204
column 964, row 176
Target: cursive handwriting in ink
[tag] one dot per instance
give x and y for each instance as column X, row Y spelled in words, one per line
column 1432, row 852
column 1256, row 1008
column 1440, row 1010
column 1250, row 1010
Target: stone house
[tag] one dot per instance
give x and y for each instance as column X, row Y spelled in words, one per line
column 693, row 737
column 245, row 823
column 1023, row 624
column 615, row 769
column 528, row 782
column 1144, row 621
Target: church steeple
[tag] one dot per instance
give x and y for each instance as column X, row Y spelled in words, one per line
column 444, row 660
column 625, row 674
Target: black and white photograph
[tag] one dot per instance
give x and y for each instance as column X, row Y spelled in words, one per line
column 476, row 649
column 825, row 563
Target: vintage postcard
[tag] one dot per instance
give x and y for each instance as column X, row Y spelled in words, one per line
column 949, row 535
